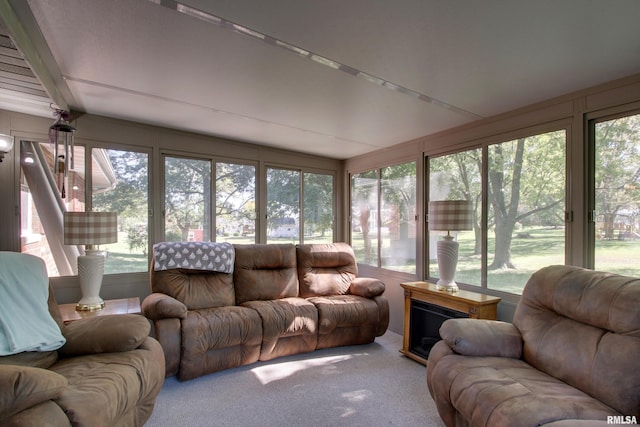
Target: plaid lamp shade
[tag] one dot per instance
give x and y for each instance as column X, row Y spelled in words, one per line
column 90, row 228
column 450, row 215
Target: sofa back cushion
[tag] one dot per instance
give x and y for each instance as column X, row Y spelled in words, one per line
column 325, row 269
column 265, row 272
column 583, row 327
column 196, row 289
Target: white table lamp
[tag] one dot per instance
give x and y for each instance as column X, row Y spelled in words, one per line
column 89, row 229
column 449, row 215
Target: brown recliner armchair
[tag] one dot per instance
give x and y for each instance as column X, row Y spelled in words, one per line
column 569, row 358
column 103, row 371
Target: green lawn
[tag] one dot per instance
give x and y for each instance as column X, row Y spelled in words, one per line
column 542, row 247
column 121, row 260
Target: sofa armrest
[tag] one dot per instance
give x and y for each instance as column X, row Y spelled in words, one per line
column 366, row 287
column 24, row 387
column 104, row 334
column 158, row 306
column 480, row 337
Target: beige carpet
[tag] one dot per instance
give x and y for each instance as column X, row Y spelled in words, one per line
column 368, row 385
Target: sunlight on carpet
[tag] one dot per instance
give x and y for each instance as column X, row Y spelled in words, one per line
column 279, row 371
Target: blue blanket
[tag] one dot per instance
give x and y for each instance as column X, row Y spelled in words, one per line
column 25, row 321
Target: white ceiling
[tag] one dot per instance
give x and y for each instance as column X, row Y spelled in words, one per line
column 455, row 61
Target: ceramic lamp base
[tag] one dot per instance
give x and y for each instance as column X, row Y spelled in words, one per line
column 447, row 262
column 90, row 273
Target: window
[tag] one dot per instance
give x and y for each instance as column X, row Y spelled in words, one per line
column 189, row 192
column 119, row 182
column 364, row 217
column 187, row 199
column 318, row 208
column 283, row 206
column 459, row 177
column 398, row 217
column 526, row 198
column 525, row 183
column 235, row 203
column 287, row 217
column 384, row 217
column 616, row 195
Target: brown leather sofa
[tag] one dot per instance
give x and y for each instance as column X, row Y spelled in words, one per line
column 569, row 358
column 108, row 373
column 279, row 300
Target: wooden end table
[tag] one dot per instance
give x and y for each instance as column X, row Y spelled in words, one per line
column 114, row 306
column 437, row 306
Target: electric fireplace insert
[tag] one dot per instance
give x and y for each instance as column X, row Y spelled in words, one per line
column 426, row 320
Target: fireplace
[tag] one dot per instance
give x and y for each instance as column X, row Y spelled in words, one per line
column 426, row 320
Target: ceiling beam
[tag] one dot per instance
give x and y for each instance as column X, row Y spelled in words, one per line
column 25, row 33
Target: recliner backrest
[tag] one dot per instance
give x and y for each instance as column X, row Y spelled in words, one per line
column 325, row 269
column 583, row 327
column 265, row 272
column 196, row 289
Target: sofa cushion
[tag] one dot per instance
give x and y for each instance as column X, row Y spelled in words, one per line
column 112, row 388
column 346, row 320
column 497, row 391
column 265, row 272
column 326, row 269
column 23, row 387
column 219, row 338
column 290, row 326
column 583, row 327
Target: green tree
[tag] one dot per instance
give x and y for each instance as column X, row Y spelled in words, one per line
column 188, row 196
column 526, row 185
column 318, row 203
column 129, row 197
column 617, row 175
column 235, row 195
column 526, row 179
column 283, row 197
column 459, row 177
